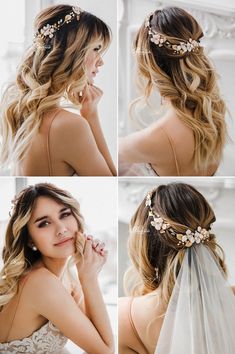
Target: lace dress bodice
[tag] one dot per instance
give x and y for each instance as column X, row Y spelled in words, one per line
column 136, row 169
column 47, row 339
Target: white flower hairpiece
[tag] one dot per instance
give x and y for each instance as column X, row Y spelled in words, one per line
column 187, row 239
column 159, row 39
column 49, row 30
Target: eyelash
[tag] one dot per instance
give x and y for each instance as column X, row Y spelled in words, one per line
column 46, row 223
column 97, row 49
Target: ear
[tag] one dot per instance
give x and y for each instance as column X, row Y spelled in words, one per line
column 31, row 244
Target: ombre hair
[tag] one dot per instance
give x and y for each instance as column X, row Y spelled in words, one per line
column 18, row 256
column 188, row 80
column 183, row 207
column 45, row 76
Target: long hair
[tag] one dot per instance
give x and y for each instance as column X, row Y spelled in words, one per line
column 188, row 80
column 47, row 74
column 183, row 207
column 18, row 257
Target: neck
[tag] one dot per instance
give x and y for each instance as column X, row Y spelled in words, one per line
column 56, row 266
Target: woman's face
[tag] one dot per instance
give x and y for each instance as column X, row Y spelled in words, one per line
column 52, row 228
column 93, row 61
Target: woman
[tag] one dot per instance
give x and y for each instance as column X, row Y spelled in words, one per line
column 189, row 138
column 39, row 137
column 41, row 303
column 180, row 301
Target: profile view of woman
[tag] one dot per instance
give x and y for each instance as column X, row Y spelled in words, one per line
column 188, row 140
column 179, row 299
column 39, row 137
column 41, row 303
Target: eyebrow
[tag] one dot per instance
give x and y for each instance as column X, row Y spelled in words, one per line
column 46, row 216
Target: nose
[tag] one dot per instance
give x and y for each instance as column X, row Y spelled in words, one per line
column 100, row 62
column 61, row 230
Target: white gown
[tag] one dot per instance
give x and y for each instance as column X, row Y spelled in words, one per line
column 47, row 339
column 136, row 169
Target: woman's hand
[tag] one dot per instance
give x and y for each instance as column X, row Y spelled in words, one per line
column 91, row 96
column 94, row 257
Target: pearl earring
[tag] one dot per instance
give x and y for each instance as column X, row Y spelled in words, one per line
column 34, row 248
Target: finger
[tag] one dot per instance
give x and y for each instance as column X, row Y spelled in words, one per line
column 95, row 243
column 96, row 91
column 105, row 254
column 88, row 248
column 100, row 247
column 86, row 93
column 89, row 237
column 96, row 88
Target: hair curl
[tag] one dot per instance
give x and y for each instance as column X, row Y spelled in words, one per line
column 46, row 76
column 18, row 257
column 188, row 80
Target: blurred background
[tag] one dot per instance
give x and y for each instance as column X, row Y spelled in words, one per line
column 98, row 201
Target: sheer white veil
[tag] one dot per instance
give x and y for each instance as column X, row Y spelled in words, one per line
column 200, row 317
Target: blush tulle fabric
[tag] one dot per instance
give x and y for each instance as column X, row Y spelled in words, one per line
column 200, row 317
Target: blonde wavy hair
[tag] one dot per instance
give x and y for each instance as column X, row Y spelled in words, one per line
column 183, row 207
column 187, row 80
column 46, row 75
column 18, row 256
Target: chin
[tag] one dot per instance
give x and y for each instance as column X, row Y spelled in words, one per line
column 90, row 81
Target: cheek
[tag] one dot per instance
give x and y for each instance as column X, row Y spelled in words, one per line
column 90, row 61
column 41, row 237
column 73, row 225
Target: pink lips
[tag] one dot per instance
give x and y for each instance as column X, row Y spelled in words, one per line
column 64, row 241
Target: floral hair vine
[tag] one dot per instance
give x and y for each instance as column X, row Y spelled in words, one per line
column 160, row 40
column 187, row 239
column 49, row 30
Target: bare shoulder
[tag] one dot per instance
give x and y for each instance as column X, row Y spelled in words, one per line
column 41, row 282
column 123, row 304
column 146, row 308
column 73, row 131
column 66, row 122
column 157, row 142
column 123, row 315
column 125, row 333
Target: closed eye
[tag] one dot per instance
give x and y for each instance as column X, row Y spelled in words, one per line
column 97, row 49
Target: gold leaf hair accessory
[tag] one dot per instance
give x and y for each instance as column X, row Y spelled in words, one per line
column 49, row 30
column 159, row 39
column 187, row 239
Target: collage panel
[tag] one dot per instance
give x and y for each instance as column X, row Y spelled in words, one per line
column 58, row 243
column 176, row 265
column 176, row 104
column 58, row 80
column 140, row 92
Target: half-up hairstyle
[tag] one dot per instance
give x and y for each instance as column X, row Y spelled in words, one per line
column 186, row 78
column 157, row 257
column 47, row 74
column 18, row 256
